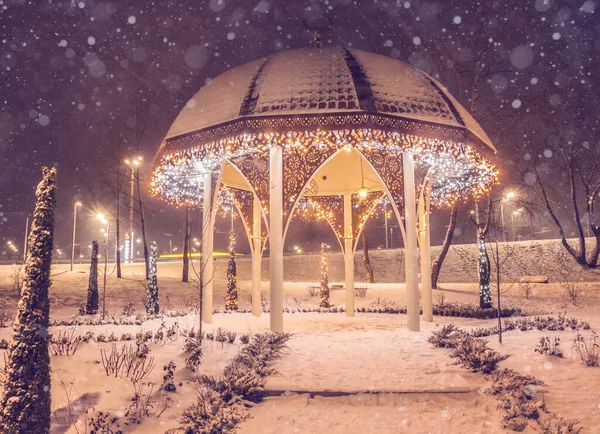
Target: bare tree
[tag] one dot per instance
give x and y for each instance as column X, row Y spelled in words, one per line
column 571, row 160
column 483, row 259
column 366, row 259
column 436, row 266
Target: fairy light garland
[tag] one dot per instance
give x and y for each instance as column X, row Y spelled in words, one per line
column 485, row 293
column 460, row 170
column 232, row 291
column 324, row 292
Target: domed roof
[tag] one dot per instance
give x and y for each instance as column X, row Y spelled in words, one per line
column 326, row 81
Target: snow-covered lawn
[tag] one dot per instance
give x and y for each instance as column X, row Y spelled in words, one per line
column 402, row 383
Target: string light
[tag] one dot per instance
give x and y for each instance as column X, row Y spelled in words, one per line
column 460, row 170
column 232, row 291
column 324, row 292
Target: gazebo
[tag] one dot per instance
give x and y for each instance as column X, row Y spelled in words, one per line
column 338, row 126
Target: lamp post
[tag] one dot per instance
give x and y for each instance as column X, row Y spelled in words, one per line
column 75, row 206
column 134, row 167
column 514, row 213
column 104, row 274
column 385, row 224
column 25, row 241
column 509, row 195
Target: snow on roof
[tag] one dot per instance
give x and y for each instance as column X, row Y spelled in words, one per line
column 323, row 81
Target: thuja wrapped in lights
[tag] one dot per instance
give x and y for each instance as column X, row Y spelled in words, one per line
column 232, row 290
column 324, row 292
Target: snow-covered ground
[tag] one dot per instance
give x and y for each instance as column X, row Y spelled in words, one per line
column 396, row 380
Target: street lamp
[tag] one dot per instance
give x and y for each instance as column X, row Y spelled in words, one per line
column 134, row 167
column 512, row 218
column 507, row 198
column 75, row 206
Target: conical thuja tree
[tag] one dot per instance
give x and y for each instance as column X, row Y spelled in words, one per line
column 152, row 305
column 25, row 405
column 232, row 291
column 91, row 306
column 324, row 278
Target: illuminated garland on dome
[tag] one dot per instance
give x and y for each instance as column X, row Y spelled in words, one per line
column 460, row 170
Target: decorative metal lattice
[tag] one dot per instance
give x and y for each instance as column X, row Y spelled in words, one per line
column 298, row 167
column 255, row 168
column 362, row 210
column 388, row 166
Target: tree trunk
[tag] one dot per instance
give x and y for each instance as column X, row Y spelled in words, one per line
column 118, row 233
column 143, row 225
column 497, row 255
column 439, row 260
column 186, row 246
column 366, row 259
column 91, row 307
column 25, row 404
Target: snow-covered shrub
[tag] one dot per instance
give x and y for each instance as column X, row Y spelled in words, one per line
column 221, row 335
column 3, row 344
column 65, row 344
column 549, row 347
column 168, row 384
column 474, row 354
column 104, row 423
column 126, row 363
column 588, row 350
column 447, row 337
column 129, row 309
column 193, row 347
column 221, row 401
column 210, row 415
column 516, row 393
column 245, row 339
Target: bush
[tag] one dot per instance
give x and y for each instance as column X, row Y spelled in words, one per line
column 588, row 351
column 209, row 415
column 516, row 392
column 221, row 401
column 193, row 346
column 168, row 384
column 548, row 347
column 245, row 338
column 474, row 354
column 129, row 309
column 447, row 337
column 65, row 344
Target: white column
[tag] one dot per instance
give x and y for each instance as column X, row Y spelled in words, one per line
column 410, row 243
column 348, row 255
column 276, row 238
column 424, row 244
column 256, row 256
column 207, row 252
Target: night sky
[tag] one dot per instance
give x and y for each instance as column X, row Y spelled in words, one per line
column 81, row 77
